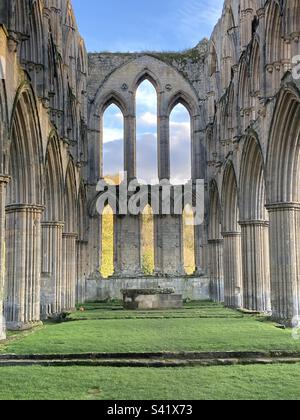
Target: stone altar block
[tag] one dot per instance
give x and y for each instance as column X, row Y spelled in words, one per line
column 150, row 299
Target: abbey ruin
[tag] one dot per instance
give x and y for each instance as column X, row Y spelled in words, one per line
column 242, row 91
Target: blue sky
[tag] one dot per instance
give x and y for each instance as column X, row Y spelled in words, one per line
column 137, row 25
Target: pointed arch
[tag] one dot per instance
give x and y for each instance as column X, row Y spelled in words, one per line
column 113, row 98
column 255, row 70
column 213, row 63
column 284, row 149
column 183, row 98
column 54, row 181
column 274, row 33
column 181, row 143
column 4, row 124
column 255, row 228
column 70, row 199
column 252, row 181
column 142, row 76
column 283, row 168
column 31, row 49
column 214, row 231
column 230, row 215
column 291, row 11
column 112, row 139
column 244, row 85
column 26, row 151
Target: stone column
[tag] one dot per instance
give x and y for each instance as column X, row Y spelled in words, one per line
column 127, row 255
column 51, row 268
column 81, row 270
column 198, row 249
column 164, row 148
column 168, row 238
column 130, row 146
column 233, row 289
column 68, row 299
column 3, row 183
column 285, row 260
column 256, row 266
column 23, row 266
column 216, row 269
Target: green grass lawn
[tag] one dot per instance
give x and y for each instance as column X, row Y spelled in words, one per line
column 230, row 331
column 215, row 383
column 108, row 328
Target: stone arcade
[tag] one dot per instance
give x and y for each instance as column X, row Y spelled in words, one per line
column 244, row 101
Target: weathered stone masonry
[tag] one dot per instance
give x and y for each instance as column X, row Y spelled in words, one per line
column 244, row 102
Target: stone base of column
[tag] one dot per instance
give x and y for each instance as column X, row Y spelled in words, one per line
column 233, row 289
column 69, row 277
column 256, row 267
column 285, row 261
column 216, row 270
column 23, row 265
column 51, row 269
column 81, row 270
column 23, row 326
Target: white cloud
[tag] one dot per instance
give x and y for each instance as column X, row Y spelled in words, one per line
column 112, row 134
column 148, row 118
column 196, row 13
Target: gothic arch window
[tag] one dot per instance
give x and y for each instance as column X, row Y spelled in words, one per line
column 113, row 143
column 148, row 240
column 146, row 132
column 273, row 33
column 213, row 60
column 227, row 61
column 255, row 83
column 107, row 257
column 252, row 182
column 180, row 145
column 292, row 18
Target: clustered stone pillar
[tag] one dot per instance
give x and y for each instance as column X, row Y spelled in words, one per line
column 164, row 148
column 68, row 299
column 3, row 183
column 256, row 268
column 95, row 244
column 169, row 245
column 199, row 250
column 82, row 253
column 51, row 281
column 216, row 269
column 233, row 270
column 127, row 258
column 285, row 260
column 130, row 146
column 23, row 266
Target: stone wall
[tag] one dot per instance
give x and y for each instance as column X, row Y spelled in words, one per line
column 193, row 288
